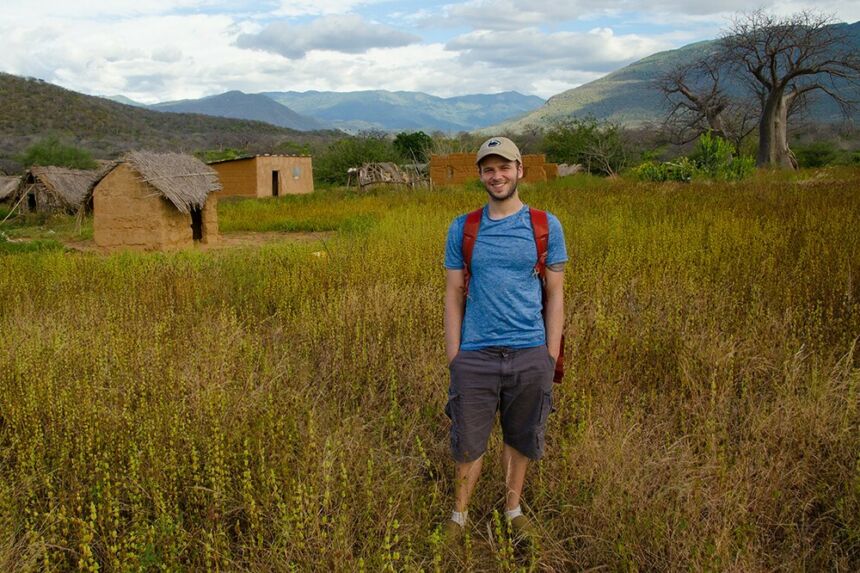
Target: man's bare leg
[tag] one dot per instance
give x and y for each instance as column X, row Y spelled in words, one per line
column 465, row 477
column 515, row 465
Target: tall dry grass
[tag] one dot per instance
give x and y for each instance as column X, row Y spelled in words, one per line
column 266, row 409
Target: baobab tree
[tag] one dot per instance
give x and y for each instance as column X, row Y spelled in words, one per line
column 698, row 101
column 786, row 59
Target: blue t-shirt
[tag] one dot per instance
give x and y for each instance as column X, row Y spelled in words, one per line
column 504, row 302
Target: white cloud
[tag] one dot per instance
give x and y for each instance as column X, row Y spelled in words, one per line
column 319, row 7
column 594, row 51
column 349, row 34
column 173, row 49
column 516, row 14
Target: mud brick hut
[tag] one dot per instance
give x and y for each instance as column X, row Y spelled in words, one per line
column 53, row 189
column 265, row 175
column 456, row 168
column 155, row 201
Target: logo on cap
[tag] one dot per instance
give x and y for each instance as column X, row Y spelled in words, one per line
column 493, row 143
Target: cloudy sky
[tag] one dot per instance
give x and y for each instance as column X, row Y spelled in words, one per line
column 158, row 50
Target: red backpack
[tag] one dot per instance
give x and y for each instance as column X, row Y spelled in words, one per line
column 540, row 227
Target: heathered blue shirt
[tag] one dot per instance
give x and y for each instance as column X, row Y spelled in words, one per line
column 504, row 302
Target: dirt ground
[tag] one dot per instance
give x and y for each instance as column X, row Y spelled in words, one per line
column 225, row 240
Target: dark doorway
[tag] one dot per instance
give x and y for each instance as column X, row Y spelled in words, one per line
column 31, row 202
column 197, row 223
column 275, row 182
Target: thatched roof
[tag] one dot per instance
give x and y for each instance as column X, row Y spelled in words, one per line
column 8, row 184
column 70, row 185
column 182, row 179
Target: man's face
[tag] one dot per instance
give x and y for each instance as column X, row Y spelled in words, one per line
column 500, row 176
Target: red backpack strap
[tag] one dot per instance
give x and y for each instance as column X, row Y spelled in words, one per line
column 470, row 235
column 540, row 228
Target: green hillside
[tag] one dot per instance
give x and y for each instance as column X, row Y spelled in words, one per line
column 629, row 97
column 32, row 109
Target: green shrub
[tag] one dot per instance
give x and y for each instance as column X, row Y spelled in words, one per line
column 413, row 147
column 713, row 158
column 598, row 146
column 211, row 155
column 816, row 154
column 682, row 170
column 333, row 164
column 52, row 151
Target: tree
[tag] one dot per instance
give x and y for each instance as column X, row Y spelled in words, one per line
column 599, row 146
column 698, row 103
column 785, row 60
column 332, row 165
column 52, row 151
column 413, row 147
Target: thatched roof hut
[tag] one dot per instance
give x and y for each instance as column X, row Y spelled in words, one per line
column 50, row 189
column 155, row 201
column 8, row 185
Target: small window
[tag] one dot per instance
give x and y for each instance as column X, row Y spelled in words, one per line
column 297, row 172
column 450, row 172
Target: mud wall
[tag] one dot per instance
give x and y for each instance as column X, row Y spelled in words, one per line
column 210, row 220
column 295, row 175
column 252, row 177
column 456, row 168
column 238, row 178
column 129, row 213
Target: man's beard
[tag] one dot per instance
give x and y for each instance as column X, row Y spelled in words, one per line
column 504, row 197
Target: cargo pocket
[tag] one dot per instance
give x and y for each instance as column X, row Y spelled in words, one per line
column 452, row 411
column 540, row 431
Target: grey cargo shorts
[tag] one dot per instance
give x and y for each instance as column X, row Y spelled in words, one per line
column 517, row 383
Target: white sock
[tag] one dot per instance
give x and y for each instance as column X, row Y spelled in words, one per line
column 459, row 517
column 512, row 513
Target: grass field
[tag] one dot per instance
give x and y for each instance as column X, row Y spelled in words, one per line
column 268, row 409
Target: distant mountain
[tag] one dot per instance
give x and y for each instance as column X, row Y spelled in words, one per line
column 629, row 97
column 239, row 105
column 125, row 100
column 405, row 111
column 32, row 109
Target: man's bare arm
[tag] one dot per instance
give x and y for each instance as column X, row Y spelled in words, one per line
column 454, row 307
column 554, row 311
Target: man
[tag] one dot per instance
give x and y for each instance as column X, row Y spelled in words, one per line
column 501, row 347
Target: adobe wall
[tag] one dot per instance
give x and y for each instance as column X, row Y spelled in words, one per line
column 252, row 177
column 456, row 168
column 210, row 220
column 295, row 175
column 238, row 178
column 129, row 213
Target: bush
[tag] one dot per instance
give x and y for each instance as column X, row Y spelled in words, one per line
column 413, row 147
column 52, row 151
column 598, row 146
column 333, row 164
column 681, row 170
column 816, row 154
column 713, row 158
column 211, row 155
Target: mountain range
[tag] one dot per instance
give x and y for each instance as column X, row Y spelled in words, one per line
column 406, row 111
column 374, row 110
